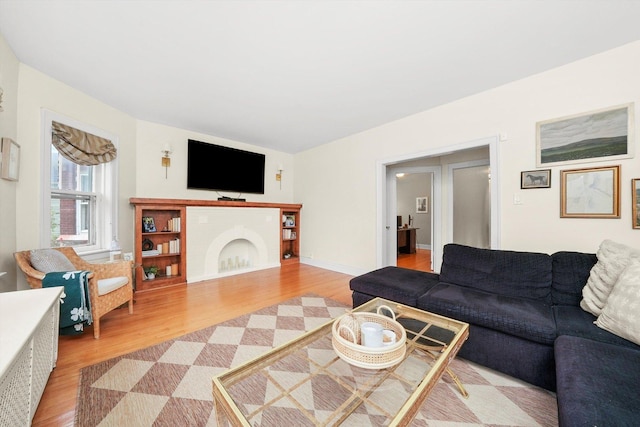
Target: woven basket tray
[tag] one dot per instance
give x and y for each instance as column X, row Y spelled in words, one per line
column 346, row 341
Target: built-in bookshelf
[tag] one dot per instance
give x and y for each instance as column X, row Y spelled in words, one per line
column 290, row 243
column 160, row 243
column 160, row 236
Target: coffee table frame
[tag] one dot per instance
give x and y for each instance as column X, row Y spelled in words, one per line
column 228, row 412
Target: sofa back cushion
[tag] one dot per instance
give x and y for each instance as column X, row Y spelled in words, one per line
column 509, row 273
column 570, row 274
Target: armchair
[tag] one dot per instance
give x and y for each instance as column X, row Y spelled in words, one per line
column 110, row 284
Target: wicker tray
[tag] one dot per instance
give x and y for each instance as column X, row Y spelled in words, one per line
column 346, row 340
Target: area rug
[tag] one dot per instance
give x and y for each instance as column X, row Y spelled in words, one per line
column 169, row 384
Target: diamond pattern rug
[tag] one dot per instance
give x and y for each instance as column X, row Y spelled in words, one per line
column 169, row 384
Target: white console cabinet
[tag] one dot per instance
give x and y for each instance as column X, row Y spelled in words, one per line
column 28, row 350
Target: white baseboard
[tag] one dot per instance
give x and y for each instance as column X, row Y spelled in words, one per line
column 420, row 246
column 339, row 268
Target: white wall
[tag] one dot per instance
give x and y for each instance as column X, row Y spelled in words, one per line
column 37, row 91
column 336, row 182
column 9, row 67
column 150, row 174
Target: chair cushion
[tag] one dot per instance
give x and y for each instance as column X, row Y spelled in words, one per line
column 50, row 260
column 111, row 284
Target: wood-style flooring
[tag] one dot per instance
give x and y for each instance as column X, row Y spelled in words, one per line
column 167, row 313
column 421, row 260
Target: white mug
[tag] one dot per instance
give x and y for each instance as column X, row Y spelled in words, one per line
column 388, row 337
column 371, row 334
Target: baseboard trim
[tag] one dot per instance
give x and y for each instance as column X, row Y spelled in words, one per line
column 339, row 268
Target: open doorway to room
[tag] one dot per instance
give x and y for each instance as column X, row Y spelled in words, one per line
column 414, row 195
column 437, row 163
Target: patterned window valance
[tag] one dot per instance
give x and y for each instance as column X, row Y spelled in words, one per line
column 80, row 147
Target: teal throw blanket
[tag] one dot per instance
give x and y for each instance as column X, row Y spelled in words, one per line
column 75, row 308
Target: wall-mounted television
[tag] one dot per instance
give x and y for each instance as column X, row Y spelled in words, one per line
column 219, row 168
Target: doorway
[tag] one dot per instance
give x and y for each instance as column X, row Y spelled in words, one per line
column 441, row 224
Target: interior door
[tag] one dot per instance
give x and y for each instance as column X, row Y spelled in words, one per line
column 471, row 204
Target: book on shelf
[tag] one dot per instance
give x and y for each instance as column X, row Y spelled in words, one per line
column 152, row 252
column 173, row 224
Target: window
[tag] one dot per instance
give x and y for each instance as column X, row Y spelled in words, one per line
column 79, row 201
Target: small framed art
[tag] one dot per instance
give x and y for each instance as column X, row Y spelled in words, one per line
column 590, row 192
column 422, row 204
column 148, row 224
column 635, row 202
column 535, row 179
column 10, row 166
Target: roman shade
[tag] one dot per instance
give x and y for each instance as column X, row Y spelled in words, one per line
column 81, row 147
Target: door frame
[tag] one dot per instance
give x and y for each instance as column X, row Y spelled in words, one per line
column 382, row 217
column 434, row 194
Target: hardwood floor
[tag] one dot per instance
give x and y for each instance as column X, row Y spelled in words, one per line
column 167, row 313
column 420, row 261
column 163, row 314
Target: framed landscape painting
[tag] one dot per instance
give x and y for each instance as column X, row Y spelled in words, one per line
column 598, row 135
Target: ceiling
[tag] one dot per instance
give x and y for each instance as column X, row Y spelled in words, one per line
column 291, row 75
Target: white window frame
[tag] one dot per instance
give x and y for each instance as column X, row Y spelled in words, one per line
column 106, row 226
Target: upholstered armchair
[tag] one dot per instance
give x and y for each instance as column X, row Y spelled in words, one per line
column 110, row 284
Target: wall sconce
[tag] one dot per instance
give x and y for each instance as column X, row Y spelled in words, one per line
column 279, row 175
column 166, row 160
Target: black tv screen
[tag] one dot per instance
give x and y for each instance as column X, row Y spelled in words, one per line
column 214, row 167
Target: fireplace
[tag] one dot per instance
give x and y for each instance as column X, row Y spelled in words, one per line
column 227, row 241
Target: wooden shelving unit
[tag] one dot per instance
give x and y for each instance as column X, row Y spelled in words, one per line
column 162, row 210
column 168, row 239
column 290, row 235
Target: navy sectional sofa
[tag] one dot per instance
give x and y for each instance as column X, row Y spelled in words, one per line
column 525, row 320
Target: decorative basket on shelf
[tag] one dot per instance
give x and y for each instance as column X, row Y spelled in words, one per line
column 346, row 340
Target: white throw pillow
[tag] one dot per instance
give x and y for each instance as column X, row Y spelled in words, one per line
column 613, row 258
column 621, row 315
column 50, row 260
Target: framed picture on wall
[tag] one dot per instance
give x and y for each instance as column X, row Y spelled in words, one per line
column 422, row 204
column 597, row 135
column 535, row 179
column 10, row 154
column 590, row 193
column 635, row 202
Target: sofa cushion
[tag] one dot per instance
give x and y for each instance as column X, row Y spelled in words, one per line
column 394, row 283
column 613, row 258
column 570, row 273
column 508, row 273
column 593, row 393
column 521, row 317
column 50, row 260
column 621, row 315
column 574, row 321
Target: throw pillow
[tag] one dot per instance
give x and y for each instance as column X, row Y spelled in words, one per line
column 613, row 258
column 50, row 260
column 621, row 315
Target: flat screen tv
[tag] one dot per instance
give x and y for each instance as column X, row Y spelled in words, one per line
column 218, row 168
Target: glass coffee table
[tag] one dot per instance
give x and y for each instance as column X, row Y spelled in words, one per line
column 305, row 383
